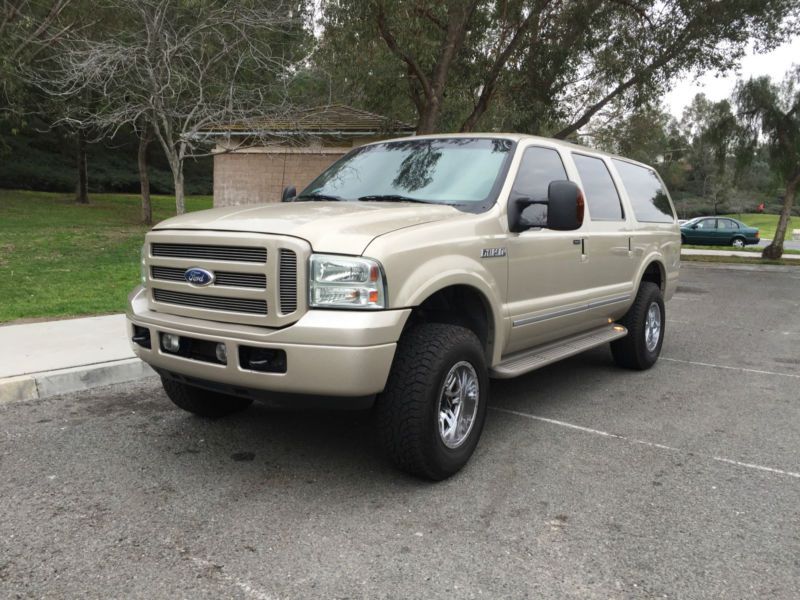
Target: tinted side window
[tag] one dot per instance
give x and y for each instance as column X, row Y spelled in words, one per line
column 726, row 224
column 601, row 193
column 648, row 196
column 538, row 168
column 707, row 224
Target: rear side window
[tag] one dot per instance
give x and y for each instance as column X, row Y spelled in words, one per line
column 539, row 166
column 726, row 224
column 648, row 197
column 601, row 193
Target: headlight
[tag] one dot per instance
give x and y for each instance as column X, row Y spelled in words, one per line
column 142, row 266
column 345, row 282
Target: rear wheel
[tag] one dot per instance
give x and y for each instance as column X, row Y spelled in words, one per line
column 202, row 402
column 432, row 412
column 738, row 242
column 645, row 323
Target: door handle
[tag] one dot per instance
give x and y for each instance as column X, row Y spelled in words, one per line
column 582, row 243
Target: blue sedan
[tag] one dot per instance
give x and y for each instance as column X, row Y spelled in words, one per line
column 718, row 231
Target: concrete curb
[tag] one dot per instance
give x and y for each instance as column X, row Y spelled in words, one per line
column 729, row 253
column 73, row 379
column 699, row 264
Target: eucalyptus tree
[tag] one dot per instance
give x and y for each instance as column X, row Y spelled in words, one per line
column 768, row 113
column 555, row 64
column 177, row 68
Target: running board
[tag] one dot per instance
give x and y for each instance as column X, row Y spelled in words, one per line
column 536, row 358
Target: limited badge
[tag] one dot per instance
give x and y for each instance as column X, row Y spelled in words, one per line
column 492, row 252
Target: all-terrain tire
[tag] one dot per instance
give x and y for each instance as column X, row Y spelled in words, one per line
column 202, row 402
column 632, row 352
column 407, row 411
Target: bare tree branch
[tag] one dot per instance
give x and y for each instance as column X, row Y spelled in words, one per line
column 176, row 73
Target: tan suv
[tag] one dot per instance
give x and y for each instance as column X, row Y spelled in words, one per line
column 406, row 276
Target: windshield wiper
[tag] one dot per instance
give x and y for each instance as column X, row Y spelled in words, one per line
column 318, row 197
column 391, row 198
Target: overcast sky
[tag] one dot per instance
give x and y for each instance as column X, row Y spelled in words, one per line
column 774, row 64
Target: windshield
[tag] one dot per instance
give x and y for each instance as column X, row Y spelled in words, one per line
column 457, row 171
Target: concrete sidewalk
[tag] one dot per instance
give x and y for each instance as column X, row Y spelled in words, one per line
column 56, row 357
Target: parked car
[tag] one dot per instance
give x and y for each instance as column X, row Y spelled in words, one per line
column 405, row 276
column 718, row 231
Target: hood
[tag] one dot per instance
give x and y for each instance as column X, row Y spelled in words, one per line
column 340, row 227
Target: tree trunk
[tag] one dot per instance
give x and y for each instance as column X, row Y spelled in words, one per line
column 180, row 200
column 144, row 178
column 775, row 249
column 480, row 107
column 82, row 187
column 429, row 117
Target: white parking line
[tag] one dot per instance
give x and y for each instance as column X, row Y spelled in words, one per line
column 744, row 369
column 758, row 467
column 642, row 442
column 729, row 326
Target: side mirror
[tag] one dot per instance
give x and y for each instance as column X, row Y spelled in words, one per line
column 565, row 206
column 694, row 226
column 289, row 193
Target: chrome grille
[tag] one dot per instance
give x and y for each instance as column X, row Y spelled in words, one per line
column 167, row 273
column 259, row 279
column 221, row 278
column 288, row 281
column 241, row 305
column 250, row 280
column 208, row 252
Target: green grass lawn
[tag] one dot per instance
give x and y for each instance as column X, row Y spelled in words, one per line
column 766, row 223
column 61, row 259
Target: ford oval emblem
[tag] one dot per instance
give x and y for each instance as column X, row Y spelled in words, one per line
column 198, row 276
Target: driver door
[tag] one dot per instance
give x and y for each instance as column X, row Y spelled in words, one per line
column 706, row 232
column 544, row 266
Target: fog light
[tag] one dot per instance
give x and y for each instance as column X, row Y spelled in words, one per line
column 170, row 342
column 222, row 354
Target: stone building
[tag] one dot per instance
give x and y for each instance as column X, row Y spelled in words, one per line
column 255, row 161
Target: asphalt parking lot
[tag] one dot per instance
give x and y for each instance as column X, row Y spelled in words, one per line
column 589, row 482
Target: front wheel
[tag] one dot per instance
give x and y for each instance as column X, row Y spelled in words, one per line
column 645, row 322
column 431, row 414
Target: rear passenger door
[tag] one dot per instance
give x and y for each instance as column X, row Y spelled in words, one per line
column 725, row 230
column 608, row 262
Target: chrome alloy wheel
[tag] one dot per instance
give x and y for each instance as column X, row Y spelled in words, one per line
column 458, row 404
column 652, row 327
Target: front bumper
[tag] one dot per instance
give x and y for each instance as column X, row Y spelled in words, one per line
column 328, row 352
